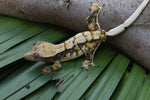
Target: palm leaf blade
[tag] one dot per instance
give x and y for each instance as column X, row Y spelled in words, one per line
column 45, row 93
column 105, row 85
column 131, row 86
column 20, row 79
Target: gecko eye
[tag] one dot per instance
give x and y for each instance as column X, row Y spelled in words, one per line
column 36, row 54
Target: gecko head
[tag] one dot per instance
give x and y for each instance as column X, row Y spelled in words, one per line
column 41, row 50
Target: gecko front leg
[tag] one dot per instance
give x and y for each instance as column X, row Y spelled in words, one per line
column 90, row 48
column 55, row 66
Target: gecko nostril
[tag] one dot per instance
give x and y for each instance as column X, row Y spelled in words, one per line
column 26, row 57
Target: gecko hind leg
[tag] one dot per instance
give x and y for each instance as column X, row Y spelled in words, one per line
column 90, row 49
column 92, row 19
column 55, row 66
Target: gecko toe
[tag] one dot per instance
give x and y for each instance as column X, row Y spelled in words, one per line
column 82, row 67
column 86, row 69
column 42, row 72
column 46, row 70
column 93, row 64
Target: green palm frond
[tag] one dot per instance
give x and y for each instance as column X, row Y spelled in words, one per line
column 115, row 77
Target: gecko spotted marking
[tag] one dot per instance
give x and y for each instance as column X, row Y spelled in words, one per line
column 84, row 43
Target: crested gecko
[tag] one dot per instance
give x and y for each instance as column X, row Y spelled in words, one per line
column 82, row 43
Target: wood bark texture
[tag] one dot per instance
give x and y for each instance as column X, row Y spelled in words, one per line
column 135, row 41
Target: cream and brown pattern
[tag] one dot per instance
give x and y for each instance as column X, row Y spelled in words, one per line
column 83, row 43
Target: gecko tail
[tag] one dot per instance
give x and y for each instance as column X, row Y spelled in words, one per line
column 117, row 30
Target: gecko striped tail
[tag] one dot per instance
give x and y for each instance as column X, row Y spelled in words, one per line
column 117, row 30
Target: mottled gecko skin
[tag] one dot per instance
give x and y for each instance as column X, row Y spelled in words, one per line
column 82, row 43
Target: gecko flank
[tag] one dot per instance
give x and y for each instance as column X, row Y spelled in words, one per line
column 83, row 43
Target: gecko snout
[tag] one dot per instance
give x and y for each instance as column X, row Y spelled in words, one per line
column 28, row 56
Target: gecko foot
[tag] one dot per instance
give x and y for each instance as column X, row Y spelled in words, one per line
column 85, row 67
column 93, row 64
column 54, row 67
column 86, row 63
column 46, row 69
